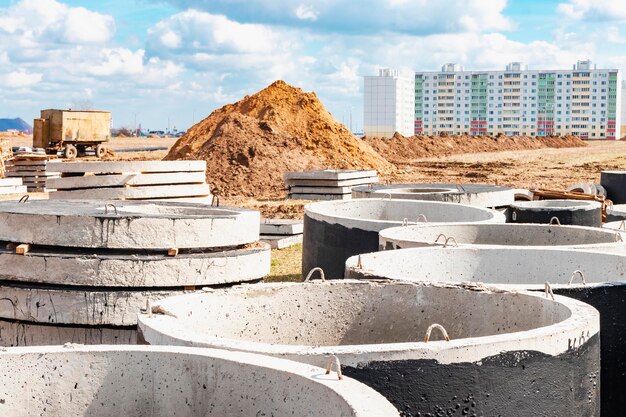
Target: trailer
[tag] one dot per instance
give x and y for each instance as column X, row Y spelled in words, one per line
column 72, row 131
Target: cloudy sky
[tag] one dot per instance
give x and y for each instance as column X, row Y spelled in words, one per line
column 154, row 60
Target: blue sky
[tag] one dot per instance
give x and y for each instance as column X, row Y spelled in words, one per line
column 178, row 60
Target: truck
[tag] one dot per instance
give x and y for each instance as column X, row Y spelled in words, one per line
column 72, row 132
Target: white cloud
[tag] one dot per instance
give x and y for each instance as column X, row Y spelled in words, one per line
column 365, row 16
column 204, row 32
column 593, row 9
column 20, row 79
column 305, row 12
column 84, row 26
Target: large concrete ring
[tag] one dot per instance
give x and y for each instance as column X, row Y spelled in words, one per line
column 573, row 212
column 76, row 380
column 500, row 360
column 336, row 230
column 523, row 235
column 19, row 333
column 127, row 224
column 604, row 287
column 135, row 270
column 617, row 212
column 481, row 195
column 614, row 182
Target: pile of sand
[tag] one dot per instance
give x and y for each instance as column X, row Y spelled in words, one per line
column 250, row 144
column 400, row 149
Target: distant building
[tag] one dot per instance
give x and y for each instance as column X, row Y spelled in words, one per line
column 583, row 101
column 623, row 118
column 389, row 104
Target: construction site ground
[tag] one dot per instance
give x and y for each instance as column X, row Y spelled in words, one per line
column 544, row 168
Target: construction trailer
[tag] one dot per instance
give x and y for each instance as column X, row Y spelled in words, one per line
column 72, row 131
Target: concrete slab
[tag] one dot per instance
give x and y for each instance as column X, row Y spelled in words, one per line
column 19, row 333
column 320, row 190
column 134, row 270
column 324, row 197
column 365, row 325
column 329, row 174
column 127, row 224
column 76, row 380
column 143, row 192
column 331, row 183
column 521, row 235
column 10, row 182
column 13, row 189
column 281, row 241
column 481, row 195
column 281, row 227
column 95, row 181
column 126, row 166
column 334, row 231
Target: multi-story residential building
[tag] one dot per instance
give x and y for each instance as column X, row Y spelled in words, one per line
column 388, row 105
column 623, row 118
column 583, row 101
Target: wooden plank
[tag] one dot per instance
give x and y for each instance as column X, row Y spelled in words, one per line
column 147, row 192
column 172, row 252
column 93, row 181
column 126, row 166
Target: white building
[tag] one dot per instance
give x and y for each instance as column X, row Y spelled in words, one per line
column 389, row 104
column 583, row 101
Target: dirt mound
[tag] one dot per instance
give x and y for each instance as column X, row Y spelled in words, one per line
column 401, row 149
column 250, row 144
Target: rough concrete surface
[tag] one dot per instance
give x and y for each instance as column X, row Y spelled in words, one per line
column 138, row 381
column 524, row 235
column 132, row 270
column 135, row 225
column 481, row 195
column 365, row 324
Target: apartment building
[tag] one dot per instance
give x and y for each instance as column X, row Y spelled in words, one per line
column 623, row 118
column 388, row 104
column 583, row 101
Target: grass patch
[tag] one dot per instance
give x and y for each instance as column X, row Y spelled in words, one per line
column 286, row 265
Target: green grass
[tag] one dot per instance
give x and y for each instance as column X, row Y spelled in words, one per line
column 286, row 265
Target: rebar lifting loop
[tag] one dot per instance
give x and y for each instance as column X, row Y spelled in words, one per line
column 548, row 290
column 24, row 198
column 618, row 237
column 580, row 273
column 312, row 271
column 622, row 225
column 552, row 220
column 441, row 235
column 106, row 208
column 332, row 359
column 460, row 188
column 385, row 196
column 438, row 327
column 422, row 218
column 445, row 244
column 405, row 222
column 215, row 201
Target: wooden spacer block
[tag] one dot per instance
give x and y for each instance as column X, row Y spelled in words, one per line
column 22, row 249
column 172, row 252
